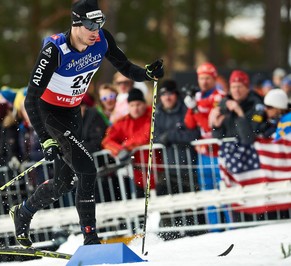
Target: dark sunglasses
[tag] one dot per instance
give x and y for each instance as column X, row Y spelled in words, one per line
column 92, row 25
column 111, row 96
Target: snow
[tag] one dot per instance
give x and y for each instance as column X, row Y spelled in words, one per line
column 252, row 246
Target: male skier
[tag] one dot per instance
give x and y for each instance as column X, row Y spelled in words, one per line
column 59, row 80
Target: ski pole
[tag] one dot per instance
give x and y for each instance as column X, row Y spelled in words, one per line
column 148, row 184
column 25, row 172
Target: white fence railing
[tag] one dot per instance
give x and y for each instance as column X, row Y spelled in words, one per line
column 187, row 196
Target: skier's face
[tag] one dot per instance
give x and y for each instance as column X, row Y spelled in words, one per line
column 87, row 37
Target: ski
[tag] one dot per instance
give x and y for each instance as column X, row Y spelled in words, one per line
column 33, row 252
column 226, row 252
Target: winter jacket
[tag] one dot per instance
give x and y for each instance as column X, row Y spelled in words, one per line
column 244, row 128
column 128, row 133
column 94, row 129
column 170, row 129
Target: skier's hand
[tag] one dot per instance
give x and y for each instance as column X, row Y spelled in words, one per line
column 190, row 102
column 155, row 70
column 51, row 149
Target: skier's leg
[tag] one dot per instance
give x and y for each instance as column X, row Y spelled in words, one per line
column 68, row 135
column 45, row 194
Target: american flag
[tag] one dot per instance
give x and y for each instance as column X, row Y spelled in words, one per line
column 263, row 161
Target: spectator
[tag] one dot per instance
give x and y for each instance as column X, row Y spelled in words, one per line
column 129, row 132
column 286, row 86
column 196, row 116
column 123, row 86
column 10, row 147
column 257, row 83
column 170, row 130
column 106, row 102
column 267, row 86
column 29, row 143
column 277, row 77
column 200, row 105
column 240, row 114
column 276, row 105
column 94, row 126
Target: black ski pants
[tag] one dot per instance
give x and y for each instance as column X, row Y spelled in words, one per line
column 65, row 126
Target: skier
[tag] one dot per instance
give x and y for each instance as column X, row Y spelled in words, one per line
column 59, row 80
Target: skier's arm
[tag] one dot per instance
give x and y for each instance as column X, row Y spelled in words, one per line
column 119, row 60
column 43, row 70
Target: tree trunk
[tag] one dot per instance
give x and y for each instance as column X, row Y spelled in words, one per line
column 286, row 34
column 213, row 48
column 273, row 40
column 170, row 35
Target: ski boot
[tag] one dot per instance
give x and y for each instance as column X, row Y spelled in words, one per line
column 90, row 235
column 21, row 217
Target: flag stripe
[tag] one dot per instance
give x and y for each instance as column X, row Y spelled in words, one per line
column 265, row 161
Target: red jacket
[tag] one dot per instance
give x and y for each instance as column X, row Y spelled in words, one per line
column 128, row 133
column 199, row 118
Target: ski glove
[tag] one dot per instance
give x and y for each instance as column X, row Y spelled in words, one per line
column 190, row 102
column 51, row 149
column 155, row 70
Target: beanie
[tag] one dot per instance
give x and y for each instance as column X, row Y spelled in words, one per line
column 276, row 98
column 286, row 81
column 239, row 76
column 8, row 94
column 169, row 85
column 84, row 10
column 207, row 68
column 135, row 95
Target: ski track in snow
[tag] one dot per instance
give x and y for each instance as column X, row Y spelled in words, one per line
column 257, row 246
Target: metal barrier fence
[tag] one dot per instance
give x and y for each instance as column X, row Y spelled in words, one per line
column 187, row 196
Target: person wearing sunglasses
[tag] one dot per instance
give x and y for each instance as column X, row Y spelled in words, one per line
column 106, row 102
column 58, row 82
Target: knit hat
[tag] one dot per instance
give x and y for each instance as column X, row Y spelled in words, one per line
column 207, row 68
column 276, row 98
column 135, row 95
column 8, row 94
column 286, row 80
column 169, row 85
column 88, row 14
column 239, row 76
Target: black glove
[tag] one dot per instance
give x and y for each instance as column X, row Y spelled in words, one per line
column 51, row 149
column 163, row 139
column 124, row 155
column 155, row 70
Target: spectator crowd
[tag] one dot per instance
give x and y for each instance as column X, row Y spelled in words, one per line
column 117, row 117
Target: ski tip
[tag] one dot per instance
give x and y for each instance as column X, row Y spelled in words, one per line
column 226, row 252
